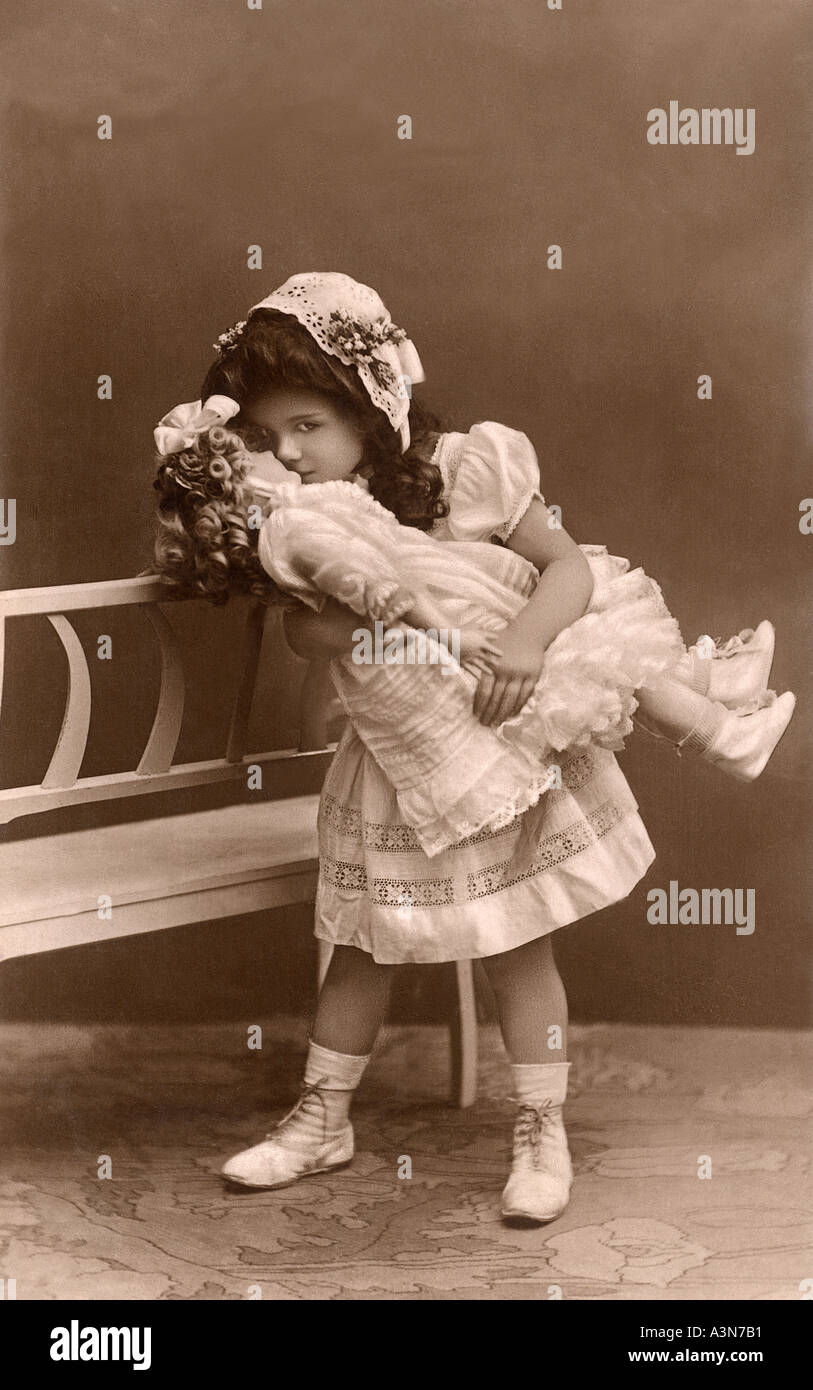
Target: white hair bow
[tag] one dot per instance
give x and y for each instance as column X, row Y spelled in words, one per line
column 180, row 428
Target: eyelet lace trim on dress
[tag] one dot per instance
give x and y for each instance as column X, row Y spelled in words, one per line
column 345, row 875
column 508, row 527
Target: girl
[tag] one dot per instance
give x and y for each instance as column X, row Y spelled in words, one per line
column 319, row 371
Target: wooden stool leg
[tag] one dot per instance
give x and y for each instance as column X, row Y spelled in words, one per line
column 324, row 957
column 463, row 1039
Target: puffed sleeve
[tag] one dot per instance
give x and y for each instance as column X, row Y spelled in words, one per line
column 313, row 555
column 495, row 479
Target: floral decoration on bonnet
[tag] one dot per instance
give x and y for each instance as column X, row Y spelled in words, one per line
column 360, row 339
column 230, row 338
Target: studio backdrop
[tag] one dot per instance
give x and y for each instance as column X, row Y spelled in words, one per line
column 639, row 309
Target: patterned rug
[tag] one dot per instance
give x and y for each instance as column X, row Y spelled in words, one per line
column 649, row 1111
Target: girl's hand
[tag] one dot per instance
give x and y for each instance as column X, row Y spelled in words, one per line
column 478, row 649
column 505, row 688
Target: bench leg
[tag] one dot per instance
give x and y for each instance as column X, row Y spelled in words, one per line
column 463, row 1038
column 323, row 959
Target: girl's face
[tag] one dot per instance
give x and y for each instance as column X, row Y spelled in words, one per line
column 307, row 434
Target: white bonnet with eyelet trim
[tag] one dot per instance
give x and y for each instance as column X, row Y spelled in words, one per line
column 350, row 321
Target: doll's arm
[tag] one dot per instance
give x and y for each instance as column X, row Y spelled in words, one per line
column 476, row 647
column 324, row 635
column 333, row 632
column 315, row 555
column 318, row 556
column 378, row 594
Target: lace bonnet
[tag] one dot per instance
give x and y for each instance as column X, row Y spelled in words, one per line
column 350, row 321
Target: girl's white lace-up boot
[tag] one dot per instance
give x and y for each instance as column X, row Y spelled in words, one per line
column 315, row 1135
column 541, row 1172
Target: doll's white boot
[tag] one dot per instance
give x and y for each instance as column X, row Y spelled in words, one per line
column 541, row 1171
column 735, row 672
column 741, row 744
column 315, row 1135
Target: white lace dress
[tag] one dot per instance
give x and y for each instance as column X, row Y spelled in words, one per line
column 419, row 834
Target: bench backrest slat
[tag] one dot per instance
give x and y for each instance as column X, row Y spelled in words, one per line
column 64, row 766
column 62, row 785
column 100, row 593
column 166, row 727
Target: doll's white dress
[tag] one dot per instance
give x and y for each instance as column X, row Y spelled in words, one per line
column 423, row 806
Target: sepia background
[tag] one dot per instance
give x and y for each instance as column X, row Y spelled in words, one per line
column 278, row 128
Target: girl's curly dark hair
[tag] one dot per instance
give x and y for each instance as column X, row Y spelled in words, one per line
column 205, row 545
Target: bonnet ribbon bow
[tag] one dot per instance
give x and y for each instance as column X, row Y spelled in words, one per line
column 180, row 428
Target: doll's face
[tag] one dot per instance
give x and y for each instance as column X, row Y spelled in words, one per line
column 307, row 434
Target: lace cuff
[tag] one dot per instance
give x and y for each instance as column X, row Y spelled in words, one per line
column 384, row 600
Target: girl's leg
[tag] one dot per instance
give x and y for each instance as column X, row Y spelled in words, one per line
column 316, row 1134
column 531, row 1001
column 353, row 1002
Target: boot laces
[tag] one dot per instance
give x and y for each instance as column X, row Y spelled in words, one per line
column 305, row 1094
column 529, row 1129
column 731, row 647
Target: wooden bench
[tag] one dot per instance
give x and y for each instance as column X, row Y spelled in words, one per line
column 171, row 870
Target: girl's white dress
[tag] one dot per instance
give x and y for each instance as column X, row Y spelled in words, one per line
column 438, row 838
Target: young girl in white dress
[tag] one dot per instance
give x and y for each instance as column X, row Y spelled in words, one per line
column 442, row 834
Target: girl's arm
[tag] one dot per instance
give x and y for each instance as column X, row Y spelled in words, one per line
column 560, row 597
